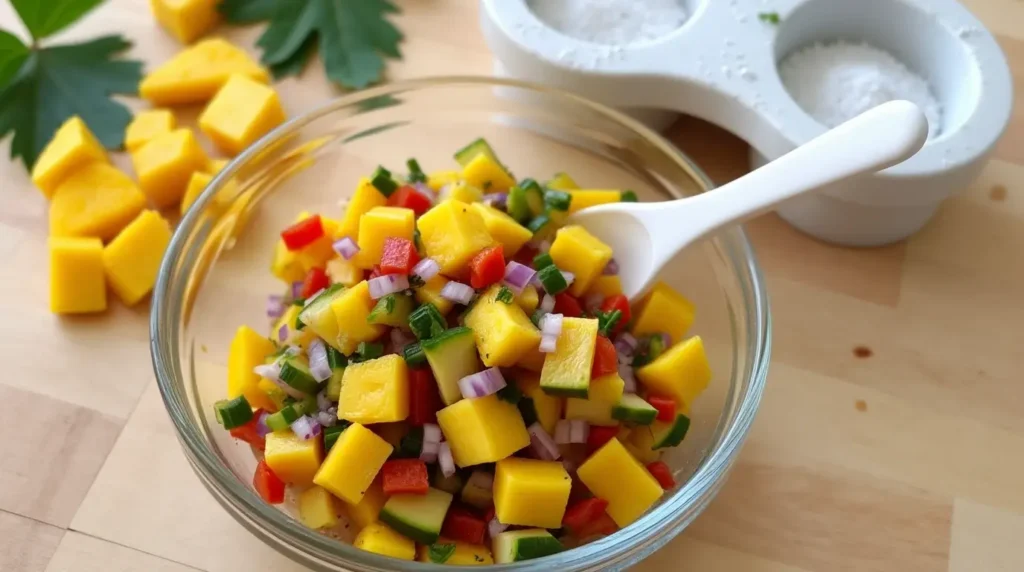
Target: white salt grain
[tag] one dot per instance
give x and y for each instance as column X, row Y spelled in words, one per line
column 612, row 22
column 838, row 81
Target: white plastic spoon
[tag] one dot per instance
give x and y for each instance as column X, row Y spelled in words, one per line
column 645, row 236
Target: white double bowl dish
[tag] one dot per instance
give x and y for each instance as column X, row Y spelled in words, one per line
column 696, row 70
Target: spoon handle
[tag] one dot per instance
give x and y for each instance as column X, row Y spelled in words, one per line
column 877, row 139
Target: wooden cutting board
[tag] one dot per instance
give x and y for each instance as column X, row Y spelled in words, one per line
column 890, row 438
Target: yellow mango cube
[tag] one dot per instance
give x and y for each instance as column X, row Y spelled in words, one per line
column 430, row 293
column 381, row 539
column 197, row 73
column 465, row 554
column 343, row 272
column 566, row 370
column 379, row 224
column 96, row 200
column 593, row 412
column 72, row 146
column 365, row 198
column 196, row 185
column 351, row 309
column 186, row 19
column 275, row 395
column 293, row 459
column 529, row 299
column 147, row 125
column 547, row 407
column 461, row 191
column 132, row 260
column 452, row 233
column 375, row 391
column 682, row 372
column 606, row 286
column 439, row 179
column 248, row 349
column 242, row 111
column 317, row 509
column 317, row 253
column 353, row 463
column 504, row 229
column 485, row 173
column 607, row 388
column 545, row 483
column 612, row 474
column 165, row 166
column 503, row 332
column 663, row 310
column 482, row 430
column 285, row 263
column 582, row 199
column 367, row 510
column 76, row 275
column 562, row 182
column 576, row 250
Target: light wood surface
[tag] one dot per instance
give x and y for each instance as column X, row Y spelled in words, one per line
column 906, row 458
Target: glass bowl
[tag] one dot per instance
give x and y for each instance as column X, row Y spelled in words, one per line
column 216, row 277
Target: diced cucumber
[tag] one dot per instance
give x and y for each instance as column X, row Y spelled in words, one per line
column 475, row 147
column 542, row 260
column 317, row 315
column 557, row 200
column 552, row 279
column 283, row 419
column 528, row 410
column 452, row 356
column 478, row 490
column 383, row 181
column 542, row 226
column 392, row 310
column 426, row 321
column 519, row 545
column 670, row 433
column 517, row 206
column 634, row 409
column 413, row 354
column 417, row 516
column 452, row 484
column 233, row 413
column 295, row 372
column 534, row 196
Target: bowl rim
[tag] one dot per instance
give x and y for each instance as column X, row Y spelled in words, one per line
column 623, row 548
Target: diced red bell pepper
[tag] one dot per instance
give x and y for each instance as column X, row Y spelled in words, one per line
column 621, row 303
column 525, row 255
column 303, row 233
column 600, row 435
column 249, row 433
column 424, row 399
column 489, row 514
column 461, row 524
column 606, row 359
column 568, row 306
column 399, row 256
column 315, row 281
column 661, row 473
column 407, row 197
column 407, row 476
column 269, row 486
column 666, row 407
column 602, row 525
column 487, row 267
column 583, row 512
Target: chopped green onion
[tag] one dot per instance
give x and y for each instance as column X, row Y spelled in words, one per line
column 331, row 434
column 414, row 355
column 505, row 295
column 628, row 196
column 410, row 445
column 538, row 223
column 552, row 280
column 382, row 181
column 416, row 174
column 558, row 200
column 426, row 322
column 369, row 350
column 606, row 321
column 653, row 346
column 510, row 393
column 440, row 553
column 516, row 204
column 542, row 260
column 770, row 17
column 233, row 413
column 336, row 359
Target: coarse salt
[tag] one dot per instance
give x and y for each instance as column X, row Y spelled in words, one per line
column 611, row 22
column 838, row 81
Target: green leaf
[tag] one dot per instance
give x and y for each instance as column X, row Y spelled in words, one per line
column 354, row 36
column 44, row 18
column 12, row 56
column 59, row 82
column 440, row 553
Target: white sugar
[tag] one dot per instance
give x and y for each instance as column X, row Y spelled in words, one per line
column 612, row 22
column 838, row 81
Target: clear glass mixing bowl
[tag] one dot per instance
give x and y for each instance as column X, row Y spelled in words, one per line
column 216, row 276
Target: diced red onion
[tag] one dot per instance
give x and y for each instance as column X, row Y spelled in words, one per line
column 548, row 344
column 431, row 433
column 400, row 338
column 628, row 377
column 458, row 292
column 551, row 325
column 444, row 457
column 625, row 340
column 426, row 269
column 611, row 269
column 262, row 429
column 275, row 306
column 579, row 430
column 494, row 528
column 518, row 276
column 569, row 277
column 496, row 200
column 563, row 432
column 282, row 333
column 547, row 304
column 333, row 411
column 296, row 290
column 388, row 284
column 326, row 419
column 482, row 384
column 306, row 427
column 624, row 359
column 425, row 189
column 542, row 444
column 318, row 365
column 540, row 246
column 322, row 402
column 346, row 247
column 428, row 453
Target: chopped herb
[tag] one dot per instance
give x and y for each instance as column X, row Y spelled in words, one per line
column 606, row 321
column 510, row 393
column 770, row 17
column 628, row 196
column 410, row 445
column 415, row 281
column 369, row 350
column 440, row 553
column 416, row 174
column 383, row 182
column 505, row 295
column 414, row 355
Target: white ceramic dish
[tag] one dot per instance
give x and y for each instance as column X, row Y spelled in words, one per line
column 721, row 65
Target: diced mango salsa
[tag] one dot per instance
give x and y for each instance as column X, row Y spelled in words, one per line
column 147, row 125
column 367, row 510
column 352, row 463
column 380, row 539
column 132, row 260
column 482, row 430
column 165, row 165
column 186, row 19
column 197, row 73
column 576, row 250
column 72, row 146
column 604, row 393
column 248, row 349
column 582, row 199
column 379, row 224
column 293, row 459
column 430, row 293
column 548, row 408
column 462, row 191
column 606, row 286
column 351, row 309
column 682, row 372
column 612, row 474
column 545, row 483
column 485, row 173
column 343, row 272
column 465, row 554
column 439, row 179
column 452, row 233
column 663, row 310
column 76, row 275
column 504, row 229
column 242, row 111
column 375, row 391
column 503, row 332
column 567, row 369
column 317, row 254
column 96, row 200
column 317, row 509
column 365, row 198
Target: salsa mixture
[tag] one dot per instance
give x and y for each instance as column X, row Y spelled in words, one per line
column 459, row 373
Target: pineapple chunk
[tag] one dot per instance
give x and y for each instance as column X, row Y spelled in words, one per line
column 663, row 310
column 576, row 250
column 612, row 474
column 681, row 373
column 503, row 332
column 452, row 233
column 545, row 483
column 352, row 463
column 293, row 459
column 375, row 391
column 482, row 430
